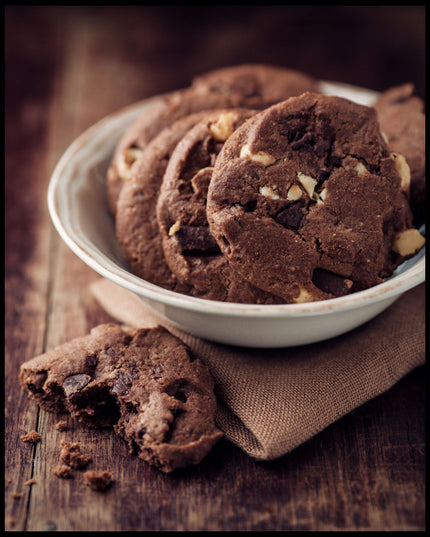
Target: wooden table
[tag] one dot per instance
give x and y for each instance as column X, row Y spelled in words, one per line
column 68, row 67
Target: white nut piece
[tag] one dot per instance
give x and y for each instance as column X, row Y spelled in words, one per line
column 408, row 242
column 126, row 160
column 295, row 193
column 174, row 228
column 304, row 296
column 321, row 196
column 223, row 128
column 360, row 168
column 269, row 192
column 308, row 183
column 403, row 170
column 261, row 156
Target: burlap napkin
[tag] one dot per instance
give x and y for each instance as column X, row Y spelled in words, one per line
column 271, row 401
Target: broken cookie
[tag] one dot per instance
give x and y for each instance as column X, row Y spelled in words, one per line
column 143, row 382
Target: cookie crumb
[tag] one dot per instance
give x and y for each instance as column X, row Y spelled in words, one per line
column 16, row 495
column 71, row 455
column 30, row 482
column 12, row 522
column 61, row 425
column 98, row 480
column 32, row 437
column 63, row 471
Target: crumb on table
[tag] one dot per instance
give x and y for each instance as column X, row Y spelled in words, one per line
column 61, row 425
column 31, row 437
column 98, row 480
column 71, row 455
column 63, row 471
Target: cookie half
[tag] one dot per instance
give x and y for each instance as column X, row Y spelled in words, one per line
column 144, row 382
column 306, row 200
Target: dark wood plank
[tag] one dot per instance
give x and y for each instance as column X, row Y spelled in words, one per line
column 68, row 67
column 27, row 241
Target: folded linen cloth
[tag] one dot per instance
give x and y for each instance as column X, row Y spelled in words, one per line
column 272, row 400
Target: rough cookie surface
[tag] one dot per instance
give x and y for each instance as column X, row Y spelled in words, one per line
column 249, row 86
column 402, row 120
column 144, row 382
column 190, row 250
column 305, row 200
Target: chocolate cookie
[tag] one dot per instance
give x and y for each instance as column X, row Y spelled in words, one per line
column 254, row 86
column 307, row 202
column 402, row 119
column 136, row 223
column 190, row 250
column 249, row 86
column 144, row 382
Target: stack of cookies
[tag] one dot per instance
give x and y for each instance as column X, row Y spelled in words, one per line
column 251, row 186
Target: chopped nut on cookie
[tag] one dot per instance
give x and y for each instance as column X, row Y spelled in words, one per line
column 223, row 128
column 407, row 243
column 404, row 171
column 260, row 156
column 129, row 156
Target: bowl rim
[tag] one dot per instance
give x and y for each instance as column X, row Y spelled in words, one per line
column 386, row 290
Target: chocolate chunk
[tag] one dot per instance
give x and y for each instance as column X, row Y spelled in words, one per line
column 122, row 383
column 196, row 239
column 332, row 283
column 323, row 175
column 75, row 383
column 301, row 139
column 291, row 217
column 250, row 206
column 38, row 381
column 91, row 361
column 335, row 161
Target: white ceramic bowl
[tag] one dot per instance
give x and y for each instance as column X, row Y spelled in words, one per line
column 78, row 208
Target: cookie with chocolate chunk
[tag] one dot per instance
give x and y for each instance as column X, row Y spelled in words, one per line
column 306, row 200
column 402, row 119
column 249, row 86
column 143, row 382
column 189, row 248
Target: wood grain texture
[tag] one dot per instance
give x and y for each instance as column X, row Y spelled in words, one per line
column 66, row 68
